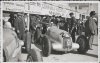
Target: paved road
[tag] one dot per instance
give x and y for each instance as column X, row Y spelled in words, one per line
column 73, row 56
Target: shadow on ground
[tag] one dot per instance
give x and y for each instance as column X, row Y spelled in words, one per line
column 87, row 54
column 57, row 52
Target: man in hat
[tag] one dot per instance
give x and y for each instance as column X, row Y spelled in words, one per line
column 53, row 18
column 11, row 19
column 92, row 28
column 72, row 26
column 19, row 25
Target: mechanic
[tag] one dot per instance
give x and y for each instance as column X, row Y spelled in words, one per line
column 37, row 32
column 11, row 19
column 72, row 26
column 63, row 24
column 53, row 18
column 91, row 28
column 45, row 21
column 33, row 23
column 19, row 25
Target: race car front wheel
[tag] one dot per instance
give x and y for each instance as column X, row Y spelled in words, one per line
column 34, row 56
column 46, row 46
column 83, row 44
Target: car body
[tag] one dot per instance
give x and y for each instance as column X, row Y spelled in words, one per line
column 60, row 39
column 11, row 46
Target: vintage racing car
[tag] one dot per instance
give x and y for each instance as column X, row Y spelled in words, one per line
column 12, row 48
column 60, row 40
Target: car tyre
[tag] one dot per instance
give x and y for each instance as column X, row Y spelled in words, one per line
column 83, row 44
column 34, row 56
column 46, row 46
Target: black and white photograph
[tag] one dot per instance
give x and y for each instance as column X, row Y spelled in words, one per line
column 49, row 31
column 50, row 0
column 98, row 34
column 0, row 32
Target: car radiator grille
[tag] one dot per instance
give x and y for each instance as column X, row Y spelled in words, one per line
column 67, row 42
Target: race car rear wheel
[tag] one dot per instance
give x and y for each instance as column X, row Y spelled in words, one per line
column 28, row 42
column 34, row 56
column 46, row 46
column 83, row 44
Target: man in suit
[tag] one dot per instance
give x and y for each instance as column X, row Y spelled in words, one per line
column 11, row 19
column 72, row 26
column 92, row 28
column 19, row 25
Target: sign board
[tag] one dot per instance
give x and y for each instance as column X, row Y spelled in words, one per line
column 41, row 8
column 13, row 6
column 44, row 8
column 33, row 8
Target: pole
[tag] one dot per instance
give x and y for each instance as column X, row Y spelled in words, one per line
column 28, row 21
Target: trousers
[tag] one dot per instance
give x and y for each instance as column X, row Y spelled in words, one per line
column 73, row 34
column 91, row 38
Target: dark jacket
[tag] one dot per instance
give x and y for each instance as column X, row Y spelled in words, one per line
column 72, row 25
column 92, row 25
column 11, row 20
column 19, row 26
column 73, row 22
column 33, row 23
column 87, row 29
